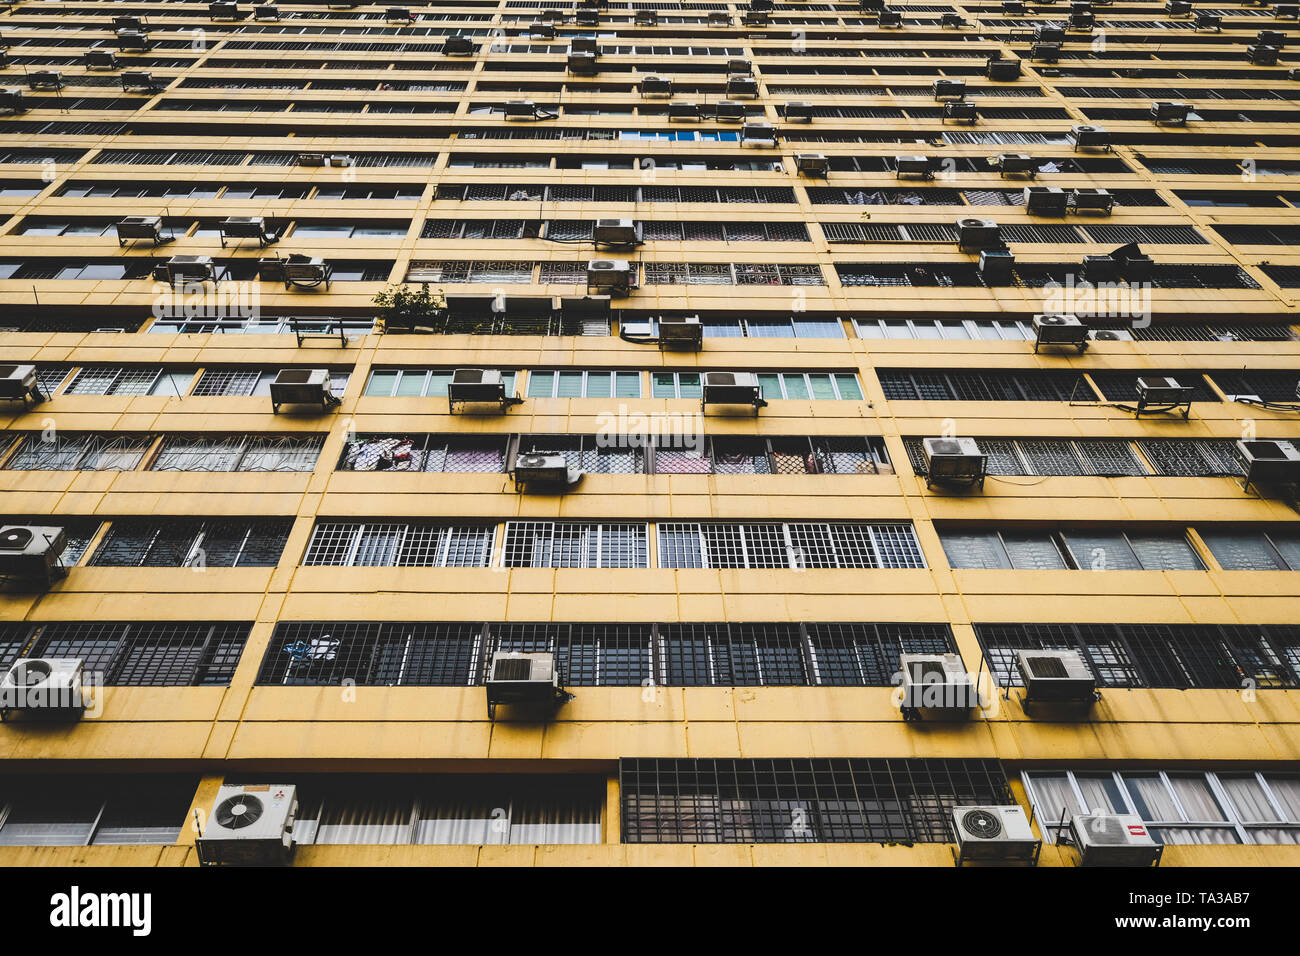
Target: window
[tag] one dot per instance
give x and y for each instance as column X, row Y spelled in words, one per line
column 1179, row 656
column 254, row 381
column 775, row 385
column 175, row 543
column 84, row 810
column 1245, row 549
column 129, row 380
column 1023, row 385
column 416, row 382
column 571, row 544
column 72, row 451
column 787, row 545
column 134, row 654
column 589, row 453
column 459, row 809
column 1178, row 806
column 77, row 532
column 801, row 800
column 1085, row 549
column 238, row 453
column 574, row 383
column 437, row 453
column 397, row 544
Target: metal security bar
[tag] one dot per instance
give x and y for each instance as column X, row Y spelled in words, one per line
column 396, row 544
column 73, row 451
column 176, row 543
column 796, row 545
column 1188, row 457
column 238, row 453
column 135, row 654
column 1180, row 656
column 571, row 544
column 967, row 385
column 802, row 800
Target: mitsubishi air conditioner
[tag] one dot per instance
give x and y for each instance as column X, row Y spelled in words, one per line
column 937, row 684
column 545, row 468
column 1271, row 461
column 312, row 159
column 250, row 825
column 1061, row 676
column 994, row 834
column 731, row 388
column 1055, row 328
column 1045, row 200
column 1113, row 839
column 49, row 688
column 20, row 383
column 515, row 677
column 953, row 461
column 32, row 554
column 302, row 386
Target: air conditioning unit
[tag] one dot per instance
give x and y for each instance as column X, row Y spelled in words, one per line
column 250, row 825
column 1287, row 11
column 1013, row 6
column 761, row 133
column 921, row 166
column 1162, row 393
column 128, row 23
column 890, row 18
column 936, row 683
column 101, row 60
column 458, row 45
column 1110, row 335
column 246, row 227
column 953, row 461
column 613, row 276
column 1261, row 54
column 731, row 388
column 1169, row 112
column 1100, row 268
column 1045, row 200
column 656, row 86
column 616, row 232
column 185, row 269
column 1002, row 69
column 398, row 15
column 45, row 80
column 1209, row 21
column 1271, row 38
column 19, row 382
column 741, row 86
column 755, row 18
column 741, row 66
column 683, row 111
column 812, row 164
column 520, row 109
column 719, row 20
column 544, row 468
column 995, row 834
column 133, row 40
column 515, row 677
column 1178, row 8
column 963, row 110
column 1269, row 461
column 341, row 160
column 1089, row 137
column 995, row 266
column 139, row 227
column 973, row 234
column 1056, row 676
column 646, row 18
column 944, row 88
column 138, row 81
column 266, row 11
column 312, row 159
column 1113, row 839
column 587, row 17
column 1049, row 33
column 954, row 20
column 582, row 64
column 1054, row 328
column 11, row 101
column 729, row 110
column 681, row 332
column 1099, row 200
column 1045, row 52
column 50, row 688
column 1082, row 21
column 541, row 31
column 302, row 386
column 306, row 272
column 32, row 554
column 223, row 10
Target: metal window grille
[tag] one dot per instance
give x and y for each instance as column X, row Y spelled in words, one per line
column 79, row 452
column 801, row 800
column 787, row 545
column 571, row 544
column 387, row 654
column 171, row 543
column 136, row 654
column 228, row 381
column 422, row 544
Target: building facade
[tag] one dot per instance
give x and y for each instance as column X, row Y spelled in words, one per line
column 860, row 209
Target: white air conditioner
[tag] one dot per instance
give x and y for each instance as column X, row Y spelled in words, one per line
column 1110, row 335
column 32, row 553
column 250, row 825
column 994, row 834
column 681, row 331
column 520, row 109
column 544, row 468
column 798, row 111
column 1100, row 200
column 1113, row 839
column 1056, row 676
column 48, row 687
column 1086, row 136
column 312, row 159
column 1269, row 461
column 1169, row 111
column 1045, row 200
column 731, row 388
column 954, row 460
column 19, row 382
column 515, row 677
column 758, row 133
column 1162, row 390
column 302, row 386
column 812, row 164
column 616, row 232
column 1017, row 163
column 973, row 233
column 936, row 683
column 1057, row 328
column 609, row 275
column 139, row 227
column 913, row 166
